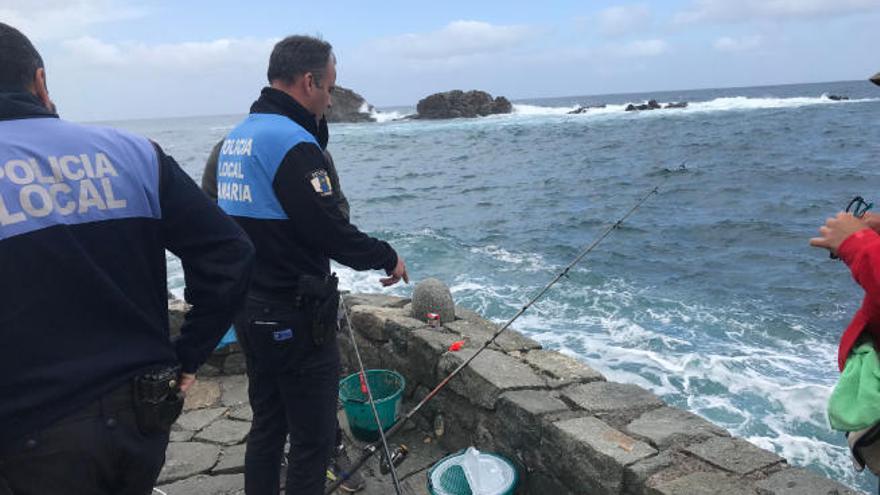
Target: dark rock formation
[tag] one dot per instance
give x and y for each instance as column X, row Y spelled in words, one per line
column 455, row 104
column 677, row 104
column 875, row 79
column 838, row 98
column 347, row 107
column 651, row 105
column 584, row 109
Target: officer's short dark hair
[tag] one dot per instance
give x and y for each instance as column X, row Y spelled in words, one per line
column 296, row 55
column 19, row 60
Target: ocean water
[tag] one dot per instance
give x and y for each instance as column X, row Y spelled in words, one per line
column 708, row 295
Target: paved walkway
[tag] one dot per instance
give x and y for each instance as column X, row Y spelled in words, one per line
column 206, row 453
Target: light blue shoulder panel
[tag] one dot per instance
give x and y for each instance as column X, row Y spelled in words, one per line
column 249, row 158
column 54, row 172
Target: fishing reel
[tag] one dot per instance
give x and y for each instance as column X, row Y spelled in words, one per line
column 858, row 207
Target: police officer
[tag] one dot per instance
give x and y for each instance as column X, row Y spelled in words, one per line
column 273, row 179
column 339, row 462
column 89, row 380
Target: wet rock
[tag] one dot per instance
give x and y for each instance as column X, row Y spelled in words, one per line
column 676, row 104
column 838, row 98
column 349, row 106
column 457, row 103
column 585, row 109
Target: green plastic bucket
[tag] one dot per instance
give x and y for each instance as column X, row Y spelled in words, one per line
column 387, row 387
column 447, row 476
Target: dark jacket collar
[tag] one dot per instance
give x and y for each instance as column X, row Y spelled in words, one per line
column 278, row 102
column 22, row 105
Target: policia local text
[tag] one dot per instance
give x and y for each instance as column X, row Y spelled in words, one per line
column 77, row 184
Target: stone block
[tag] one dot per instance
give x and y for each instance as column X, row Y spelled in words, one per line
column 488, row 376
column 231, row 460
column 797, row 481
column 235, row 364
column 185, row 459
column 662, row 468
column 615, row 403
column 369, row 321
column 668, row 426
column 180, row 435
column 200, row 418
column 242, row 413
column 225, row 484
column 224, row 432
column 589, row 456
column 177, row 310
column 203, row 393
column 734, row 455
column 425, row 347
column 703, row 483
column 521, row 428
column 378, row 300
column 432, row 296
column 561, row 370
column 233, row 390
column 477, row 332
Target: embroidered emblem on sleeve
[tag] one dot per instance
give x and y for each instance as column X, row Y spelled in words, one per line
column 321, row 182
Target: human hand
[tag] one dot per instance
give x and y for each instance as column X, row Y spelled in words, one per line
column 836, row 230
column 398, row 273
column 186, row 381
column 873, row 221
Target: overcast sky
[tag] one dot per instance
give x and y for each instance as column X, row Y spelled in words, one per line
column 117, row 59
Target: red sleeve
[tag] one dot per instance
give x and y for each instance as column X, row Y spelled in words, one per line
column 861, row 252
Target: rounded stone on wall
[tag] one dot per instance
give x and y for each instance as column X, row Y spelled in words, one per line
column 432, row 296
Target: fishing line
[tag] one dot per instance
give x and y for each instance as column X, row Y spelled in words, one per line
column 371, row 449
column 365, row 388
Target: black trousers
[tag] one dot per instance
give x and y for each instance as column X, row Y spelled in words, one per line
column 95, row 451
column 293, row 386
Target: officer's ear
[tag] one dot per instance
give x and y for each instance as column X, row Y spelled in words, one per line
column 41, row 90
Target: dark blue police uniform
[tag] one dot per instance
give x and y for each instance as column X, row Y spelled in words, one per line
column 86, row 214
column 273, row 179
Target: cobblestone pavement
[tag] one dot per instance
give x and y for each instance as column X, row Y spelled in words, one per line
column 206, row 453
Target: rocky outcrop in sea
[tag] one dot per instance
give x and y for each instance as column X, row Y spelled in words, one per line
column 348, row 106
column 457, row 103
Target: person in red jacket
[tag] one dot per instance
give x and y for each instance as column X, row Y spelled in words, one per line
column 856, row 241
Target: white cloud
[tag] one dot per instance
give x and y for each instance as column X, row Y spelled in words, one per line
column 743, row 10
column 193, row 56
column 457, row 39
column 743, row 44
column 624, row 19
column 57, row 19
column 638, row 49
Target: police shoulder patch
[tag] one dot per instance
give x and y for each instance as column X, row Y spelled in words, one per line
column 320, row 182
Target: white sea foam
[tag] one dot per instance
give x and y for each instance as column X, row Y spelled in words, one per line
column 379, row 116
column 715, row 105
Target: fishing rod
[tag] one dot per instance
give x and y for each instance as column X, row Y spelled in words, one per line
column 365, row 388
column 372, row 448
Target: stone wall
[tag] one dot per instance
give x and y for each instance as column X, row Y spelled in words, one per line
column 569, row 429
